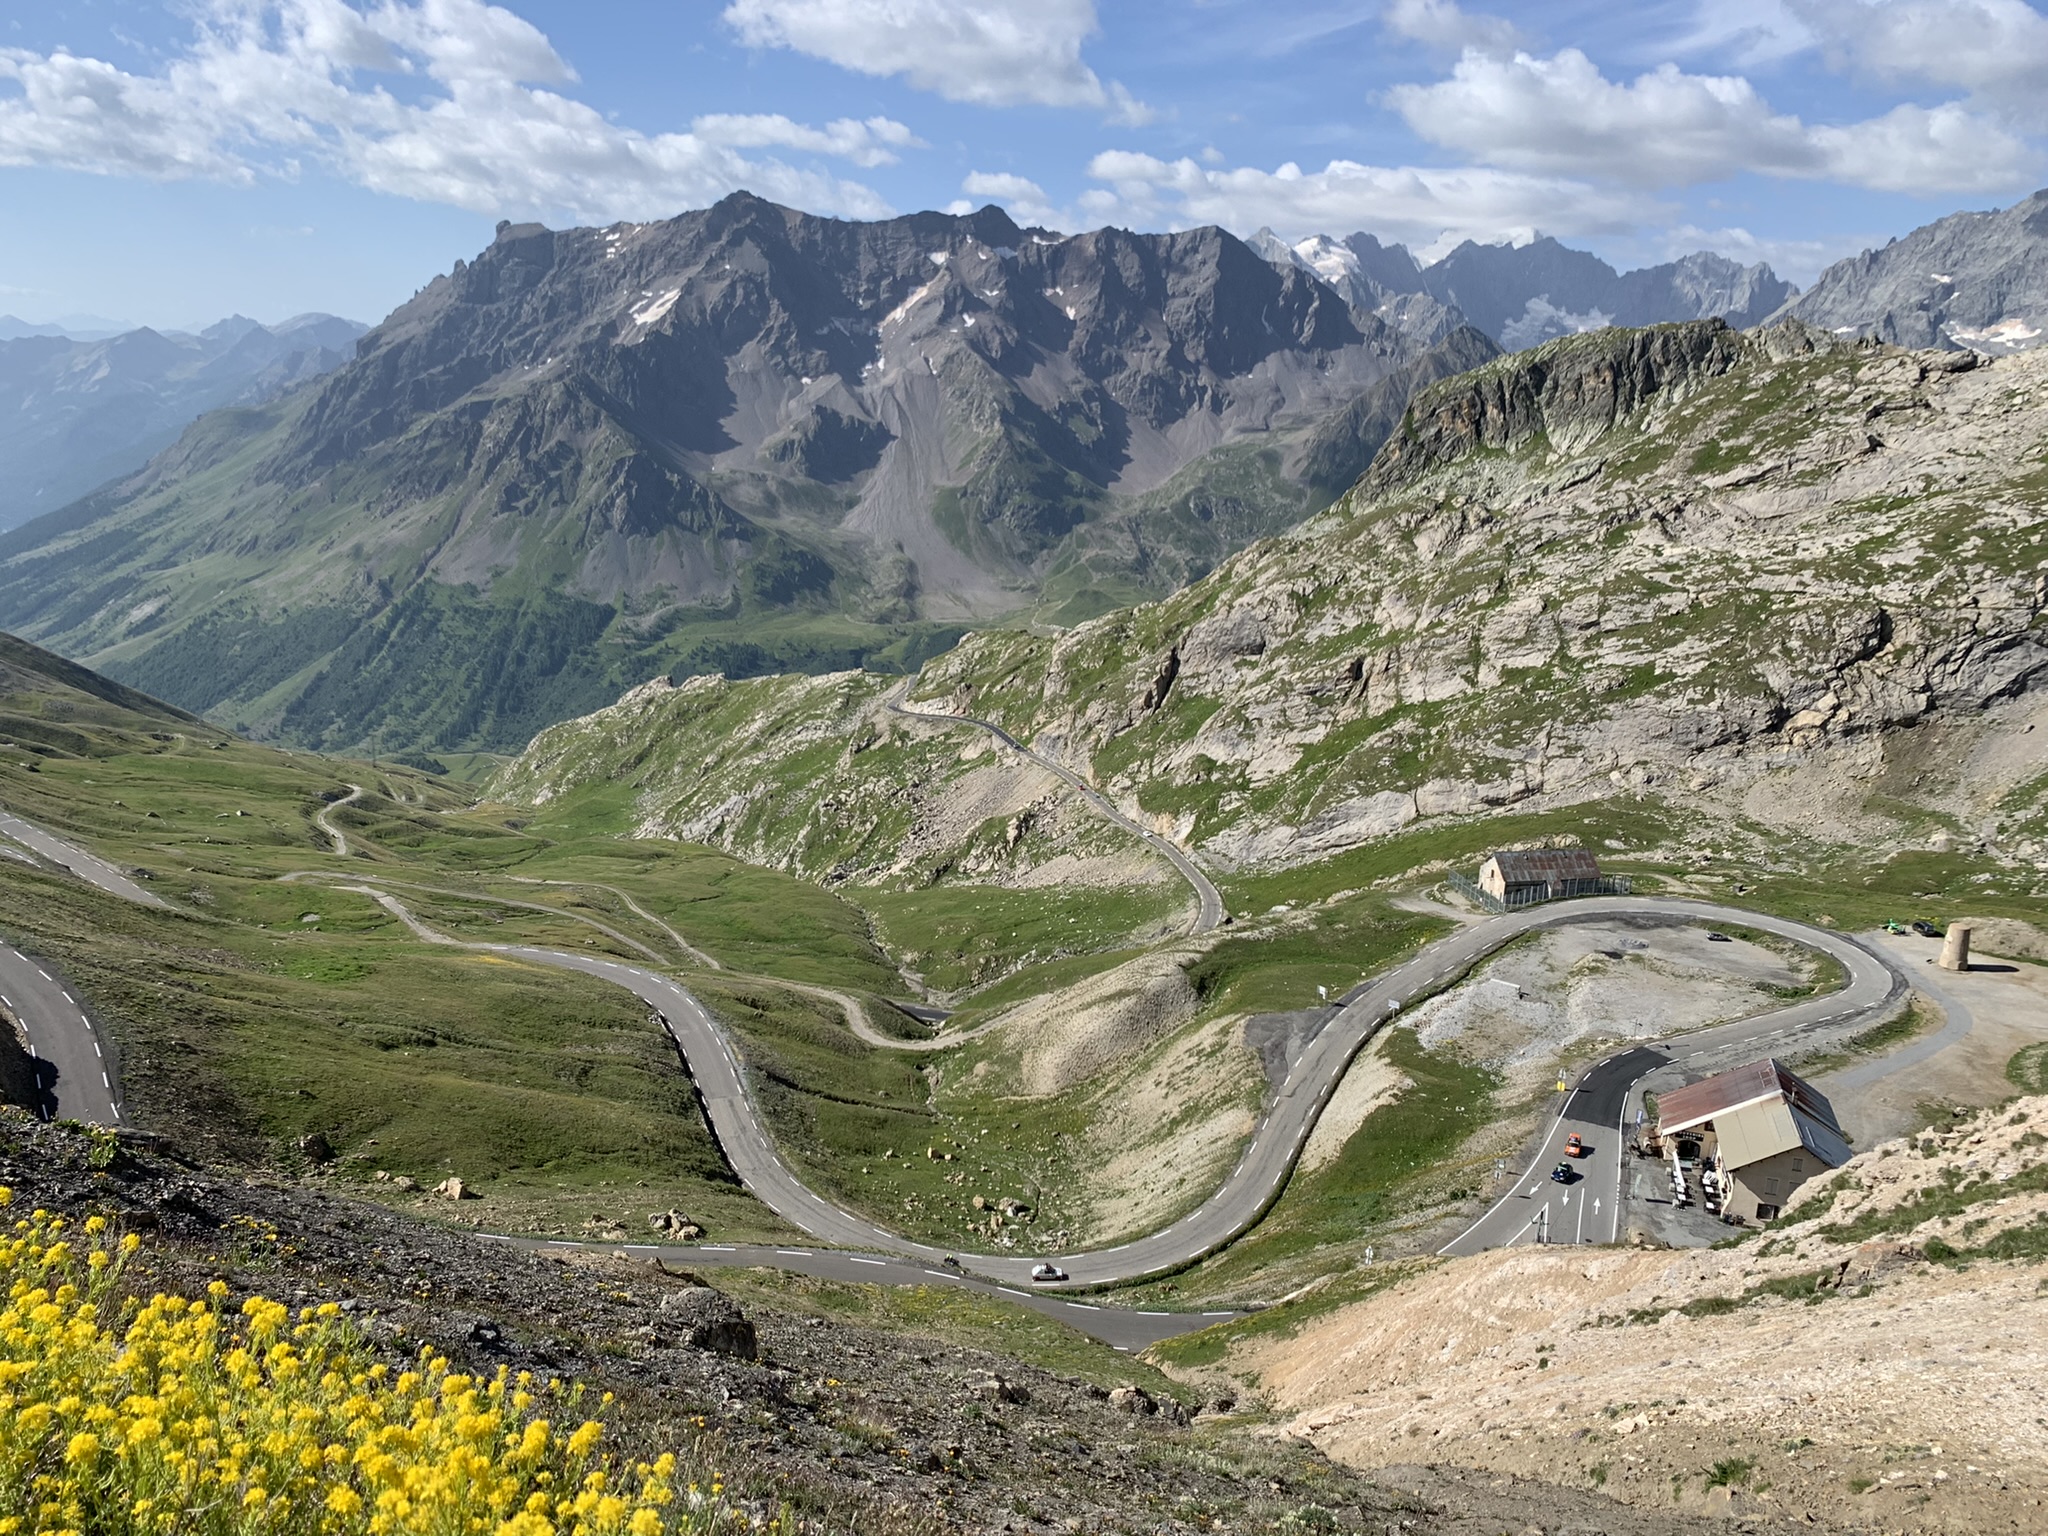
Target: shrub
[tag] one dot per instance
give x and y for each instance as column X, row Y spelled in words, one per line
column 185, row 1419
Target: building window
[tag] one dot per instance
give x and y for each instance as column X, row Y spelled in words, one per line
column 1770, row 1186
column 1798, row 1165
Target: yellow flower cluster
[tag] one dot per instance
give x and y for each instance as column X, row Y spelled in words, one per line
column 186, row 1420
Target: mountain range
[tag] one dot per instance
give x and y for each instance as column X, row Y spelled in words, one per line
column 744, row 439
column 1773, row 592
column 749, row 440
column 77, row 409
column 1971, row 280
column 1522, row 295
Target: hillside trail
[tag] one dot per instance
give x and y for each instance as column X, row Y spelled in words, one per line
column 1209, row 909
column 857, row 1018
column 339, row 837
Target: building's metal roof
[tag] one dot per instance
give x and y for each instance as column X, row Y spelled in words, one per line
column 1759, row 1082
column 1770, row 1126
column 1529, row 865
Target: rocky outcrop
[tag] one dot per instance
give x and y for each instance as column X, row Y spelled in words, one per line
column 1568, row 393
column 709, row 1319
column 1747, row 574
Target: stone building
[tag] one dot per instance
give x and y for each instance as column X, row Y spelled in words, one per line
column 1517, row 877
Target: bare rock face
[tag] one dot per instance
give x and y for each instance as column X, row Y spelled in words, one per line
column 709, row 1319
column 1972, row 280
column 1568, row 395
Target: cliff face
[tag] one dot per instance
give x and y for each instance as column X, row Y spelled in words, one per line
column 1765, row 580
column 1568, row 395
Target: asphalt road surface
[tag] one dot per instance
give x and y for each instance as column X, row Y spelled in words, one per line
column 88, row 867
column 1598, row 1107
column 69, row 1066
column 1122, row 1327
column 1208, row 900
column 1263, row 1170
column 69, row 1063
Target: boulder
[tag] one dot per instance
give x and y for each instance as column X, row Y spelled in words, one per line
column 453, row 1189
column 1133, row 1400
column 711, row 1320
column 997, row 1389
column 316, row 1148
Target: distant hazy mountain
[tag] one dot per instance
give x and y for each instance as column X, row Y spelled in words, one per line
column 77, row 327
column 76, row 411
column 745, row 439
column 1522, row 295
column 1972, row 280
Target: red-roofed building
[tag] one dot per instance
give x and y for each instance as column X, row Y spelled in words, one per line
column 1762, row 1131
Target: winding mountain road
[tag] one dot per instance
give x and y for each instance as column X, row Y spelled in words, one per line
column 1261, row 1173
column 1873, row 987
column 1209, row 911
column 339, row 837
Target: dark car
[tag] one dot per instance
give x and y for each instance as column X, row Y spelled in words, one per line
column 1925, row 929
column 1563, row 1173
column 1719, row 938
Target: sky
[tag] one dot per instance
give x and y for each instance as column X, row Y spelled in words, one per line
column 171, row 163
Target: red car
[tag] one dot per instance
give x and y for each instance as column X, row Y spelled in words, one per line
column 1573, row 1147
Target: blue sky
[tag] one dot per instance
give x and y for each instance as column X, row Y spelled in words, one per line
column 171, row 163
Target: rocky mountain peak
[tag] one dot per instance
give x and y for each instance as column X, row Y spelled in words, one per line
column 1972, row 280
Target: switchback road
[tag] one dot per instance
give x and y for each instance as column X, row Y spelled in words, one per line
column 1262, row 1171
column 1872, row 988
column 1597, row 1107
column 1208, row 900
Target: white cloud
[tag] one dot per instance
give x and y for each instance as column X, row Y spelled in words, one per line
column 1442, row 24
column 1431, row 209
column 1995, row 49
column 870, row 143
column 1025, row 198
column 269, row 86
column 996, row 53
column 1560, row 116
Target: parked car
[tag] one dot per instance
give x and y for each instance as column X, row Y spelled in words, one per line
column 1925, row 929
column 1574, row 1146
column 1043, row 1273
column 1562, row 1174
column 1719, row 938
